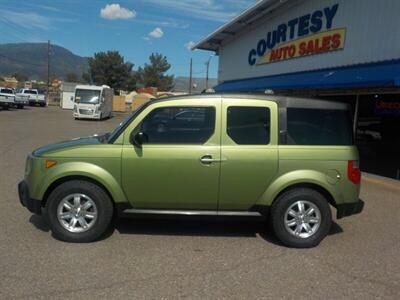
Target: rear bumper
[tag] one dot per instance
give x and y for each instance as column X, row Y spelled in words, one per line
column 36, row 101
column 34, row 206
column 348, row 209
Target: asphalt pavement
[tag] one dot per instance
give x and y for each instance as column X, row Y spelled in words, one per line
column 189, row 259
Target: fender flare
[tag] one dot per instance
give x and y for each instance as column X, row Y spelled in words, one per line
column 88, row 170
column 297, row 178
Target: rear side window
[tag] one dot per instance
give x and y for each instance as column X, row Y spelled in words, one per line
column 319, row 127
column 179, row 125
column 249, row 125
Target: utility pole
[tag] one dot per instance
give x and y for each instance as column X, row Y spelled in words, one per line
column 207, row 70
column 191, row 78
column 48, row 70
column 207, row 67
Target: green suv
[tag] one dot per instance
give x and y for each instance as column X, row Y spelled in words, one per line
column 284, row 159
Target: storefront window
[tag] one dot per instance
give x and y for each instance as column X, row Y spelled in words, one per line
column 378, row 131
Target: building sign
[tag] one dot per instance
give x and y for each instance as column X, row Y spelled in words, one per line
column 317, row 43
column 306, row 35
column 387, row 108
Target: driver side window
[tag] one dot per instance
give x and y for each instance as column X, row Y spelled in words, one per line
column 179, row 125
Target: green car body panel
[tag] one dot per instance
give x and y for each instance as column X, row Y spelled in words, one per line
column 172, row 177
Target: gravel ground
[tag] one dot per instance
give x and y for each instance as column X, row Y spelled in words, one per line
column 170, row 259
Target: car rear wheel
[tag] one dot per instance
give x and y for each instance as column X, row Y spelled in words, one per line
column 79, row 211
column 301, row 218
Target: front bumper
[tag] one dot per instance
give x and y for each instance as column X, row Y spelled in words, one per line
column 23, row 102
column 348, row 209
column 84, row 116
column 34, row 206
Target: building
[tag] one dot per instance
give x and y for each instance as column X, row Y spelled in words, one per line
column 10, row 82
column 346, row 50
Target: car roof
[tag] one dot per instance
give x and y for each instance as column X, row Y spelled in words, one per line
column 282, row 101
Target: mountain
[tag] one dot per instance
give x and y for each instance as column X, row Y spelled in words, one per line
column 30, row 59
column 182, row 84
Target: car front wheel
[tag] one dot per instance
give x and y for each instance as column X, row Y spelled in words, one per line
column 78, row 211
column 301, row 218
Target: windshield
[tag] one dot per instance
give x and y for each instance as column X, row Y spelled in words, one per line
column 6, row 91
column 87, row 96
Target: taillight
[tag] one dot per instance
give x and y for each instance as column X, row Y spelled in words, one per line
column 353, row 171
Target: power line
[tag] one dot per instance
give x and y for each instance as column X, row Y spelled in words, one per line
column 14, row 30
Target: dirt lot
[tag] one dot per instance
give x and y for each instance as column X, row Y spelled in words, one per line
column 360, row 259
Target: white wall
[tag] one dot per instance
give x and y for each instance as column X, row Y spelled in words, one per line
column 373, row 30
column 66, row 102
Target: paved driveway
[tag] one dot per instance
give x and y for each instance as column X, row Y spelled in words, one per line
column 360, row 259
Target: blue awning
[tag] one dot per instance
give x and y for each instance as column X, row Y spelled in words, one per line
column 384, row 74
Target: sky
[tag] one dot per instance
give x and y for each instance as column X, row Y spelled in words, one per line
column 135, row 28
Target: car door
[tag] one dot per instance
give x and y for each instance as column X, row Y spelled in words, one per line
column 249, row 151
column 177, row 167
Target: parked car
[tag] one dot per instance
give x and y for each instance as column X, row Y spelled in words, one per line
column 21, row 100
column 277, row 158
column 33, row 96
column 7, row 97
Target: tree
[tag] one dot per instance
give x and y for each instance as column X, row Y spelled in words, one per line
column 153, row 74
column 86, row 77
column 71, row 77
column 110, row 68
column 20, row 77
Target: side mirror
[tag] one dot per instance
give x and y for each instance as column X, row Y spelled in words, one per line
column 138, row 138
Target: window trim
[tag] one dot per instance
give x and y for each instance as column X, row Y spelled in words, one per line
column 138, row 126
column 249, row 106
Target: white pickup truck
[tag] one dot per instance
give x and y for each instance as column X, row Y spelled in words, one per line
column 7, row 97
column 34, row 96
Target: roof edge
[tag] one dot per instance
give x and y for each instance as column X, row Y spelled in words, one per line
column 228, row 24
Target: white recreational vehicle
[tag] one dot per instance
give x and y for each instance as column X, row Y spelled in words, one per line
column 93, row 102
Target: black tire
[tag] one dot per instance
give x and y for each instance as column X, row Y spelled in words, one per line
column 99, row 197
column 20, row 106
column 284, row 202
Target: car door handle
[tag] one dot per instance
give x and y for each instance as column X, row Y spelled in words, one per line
column 208, row 159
